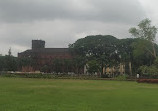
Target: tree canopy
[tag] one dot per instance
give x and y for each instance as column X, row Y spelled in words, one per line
column 148, row 32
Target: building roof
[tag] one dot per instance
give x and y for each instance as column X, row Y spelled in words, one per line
column 46, row 50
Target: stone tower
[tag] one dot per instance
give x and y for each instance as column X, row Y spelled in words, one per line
column 38, row 44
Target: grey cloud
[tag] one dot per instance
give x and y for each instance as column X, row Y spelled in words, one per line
column 96, row 10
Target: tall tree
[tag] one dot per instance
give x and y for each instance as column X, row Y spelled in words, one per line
column 93, row 66
column 100, row 48
column 146, row 31
column 10, row 52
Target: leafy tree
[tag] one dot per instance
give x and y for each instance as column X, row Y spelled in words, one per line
column 11, row 62
column 146, row 31
column 57, row 65
column 101, row 48
column 2, row 63
column 10, row 52
column 145, row 49
column 150, row 70
column 93, row 66
column 45, row 69
column 8, row 63
column 79, row 62
column 140, row 56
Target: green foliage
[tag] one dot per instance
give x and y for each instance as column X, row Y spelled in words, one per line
column 8, row 75
column 143, row 69
column 109, row 51
column 150, row 70
column 147, row 32
column 44, row 69
column 121, row 77
column 124, row 49
column 10, row 52
column 153, row 70
column 141, row 53
column 8, row 63
column 103, row 49
column 144, row 49
column 139, row 47
column 156, row 62
column 94, row 45
column 27, row 75
column 78, row 63
column 50, row 76
column 2, row 63
column 11, row 63
column 57, row 65
column 93, row 66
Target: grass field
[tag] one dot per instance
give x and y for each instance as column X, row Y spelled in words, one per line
column 20, row 94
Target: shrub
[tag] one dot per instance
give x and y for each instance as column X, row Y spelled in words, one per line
column 121, row 77
column 8, row 75
column 147, row 80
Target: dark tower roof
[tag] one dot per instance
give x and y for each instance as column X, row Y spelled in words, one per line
column 38, row 44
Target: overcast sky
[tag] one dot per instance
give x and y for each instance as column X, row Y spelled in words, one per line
column 60, row 22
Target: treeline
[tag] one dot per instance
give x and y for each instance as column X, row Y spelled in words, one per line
column 11, row 63
column 140, row 53
column 95, row 52
column 107, row 51
column 8, row 63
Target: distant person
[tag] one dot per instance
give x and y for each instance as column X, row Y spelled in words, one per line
column 137, row 76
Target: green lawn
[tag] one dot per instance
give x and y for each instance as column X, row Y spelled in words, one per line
column 20, row 94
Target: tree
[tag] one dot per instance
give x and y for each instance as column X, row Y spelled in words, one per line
column 145, row 49
column 78, row 63
column 109, row 51
column 2, row 63
column 45, row 69
column 146, row 31
column 93, row 66
column 142, row 57
column 10, row 52
column 57, row 65
column 100, row 48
